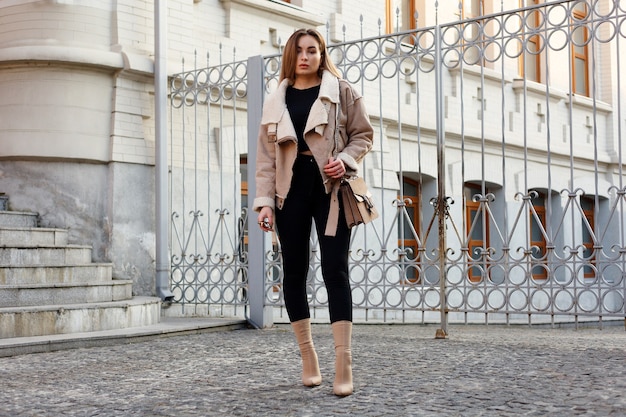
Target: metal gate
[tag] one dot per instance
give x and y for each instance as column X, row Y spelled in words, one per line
column 497, row 168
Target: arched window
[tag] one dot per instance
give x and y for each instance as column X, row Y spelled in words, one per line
column 407, row 240
column 537, row 238
column 588, row 206
column 477, row 230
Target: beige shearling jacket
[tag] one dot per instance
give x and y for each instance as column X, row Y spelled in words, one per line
column 277, row 146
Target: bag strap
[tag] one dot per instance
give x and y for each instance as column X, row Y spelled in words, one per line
column 337, row 109
column 333, row 213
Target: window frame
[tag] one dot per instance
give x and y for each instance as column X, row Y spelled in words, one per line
column 471, row 206
column 479, row 38
column 584, row 56
column 541, row 244
column 473, row 14
column 390, row 16
column 587, row 205
column 243, row 162
column 417, row 224
column 535, row 40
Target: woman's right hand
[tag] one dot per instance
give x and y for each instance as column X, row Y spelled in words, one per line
column 266, row 219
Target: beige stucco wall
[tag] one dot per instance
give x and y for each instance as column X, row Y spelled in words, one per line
column 76, row 124
column 55, row 112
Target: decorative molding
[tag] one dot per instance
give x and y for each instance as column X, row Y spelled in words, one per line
column 115, row 60
column 279, row 8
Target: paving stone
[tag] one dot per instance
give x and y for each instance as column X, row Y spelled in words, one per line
column 399, row 370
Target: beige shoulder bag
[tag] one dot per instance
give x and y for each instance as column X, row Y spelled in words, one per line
column 358, row 206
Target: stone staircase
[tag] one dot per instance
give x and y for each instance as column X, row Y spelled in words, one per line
column 51, row 287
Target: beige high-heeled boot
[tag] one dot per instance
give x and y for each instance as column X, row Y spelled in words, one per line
column 342, row 333
column 311, row 375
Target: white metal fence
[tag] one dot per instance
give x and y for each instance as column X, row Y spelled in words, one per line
column 497, row 169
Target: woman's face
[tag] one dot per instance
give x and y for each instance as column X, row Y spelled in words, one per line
column 309, row 56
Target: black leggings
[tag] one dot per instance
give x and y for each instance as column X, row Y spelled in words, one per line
column 305, row 202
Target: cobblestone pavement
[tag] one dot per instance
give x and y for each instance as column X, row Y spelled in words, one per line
column 399, row 370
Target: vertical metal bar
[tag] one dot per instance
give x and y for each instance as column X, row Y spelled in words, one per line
column 464, row 225
column 578, row 269
column 236, row 172
column 594, row 97
column 260, row 315
column 195, row 226
column 160, row 163
column 441, row 186
column 483, row 186
column 505, row 217
column 211, row 193
column 571, row 92
column 619, row 123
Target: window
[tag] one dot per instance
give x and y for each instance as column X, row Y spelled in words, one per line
column 580, row 58
column 472, row 8
column 243, row 225
column 588, row 205
column 477, row 230
column 473, row 32
column 406, row 238
column 530, row 61
column 400, row 15
column 537, row 237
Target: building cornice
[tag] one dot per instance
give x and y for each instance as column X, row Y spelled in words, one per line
column 283, row 9
column 112, row 60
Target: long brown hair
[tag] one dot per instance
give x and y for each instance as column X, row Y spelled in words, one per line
column 290, row 55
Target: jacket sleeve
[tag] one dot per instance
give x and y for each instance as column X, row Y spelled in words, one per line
column 359, row 130
column 265, row 175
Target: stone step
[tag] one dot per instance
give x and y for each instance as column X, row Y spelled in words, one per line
column 46, row 256
column 26, row 237
column 57, row 294
column 95, row 272
column 77, row 318
column 18, row 219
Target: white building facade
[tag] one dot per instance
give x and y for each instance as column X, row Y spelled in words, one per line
column 497, row 165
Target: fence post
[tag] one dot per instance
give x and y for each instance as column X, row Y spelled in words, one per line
column 441, row 207
column 163, row 268
column 260, row 314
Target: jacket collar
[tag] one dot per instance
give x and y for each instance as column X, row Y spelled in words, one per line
column 275, row 106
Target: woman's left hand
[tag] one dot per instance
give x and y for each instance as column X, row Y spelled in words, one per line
column 335, row 168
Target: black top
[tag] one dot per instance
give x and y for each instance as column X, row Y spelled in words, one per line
column 299, row 104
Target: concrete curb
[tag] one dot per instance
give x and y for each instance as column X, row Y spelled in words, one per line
column 167, row 327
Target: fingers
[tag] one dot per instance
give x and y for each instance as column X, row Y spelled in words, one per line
column 335, row 168
column 338, row 172
column 265, row 219
column 265, row 224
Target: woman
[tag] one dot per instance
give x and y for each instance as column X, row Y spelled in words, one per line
column 297, row 177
